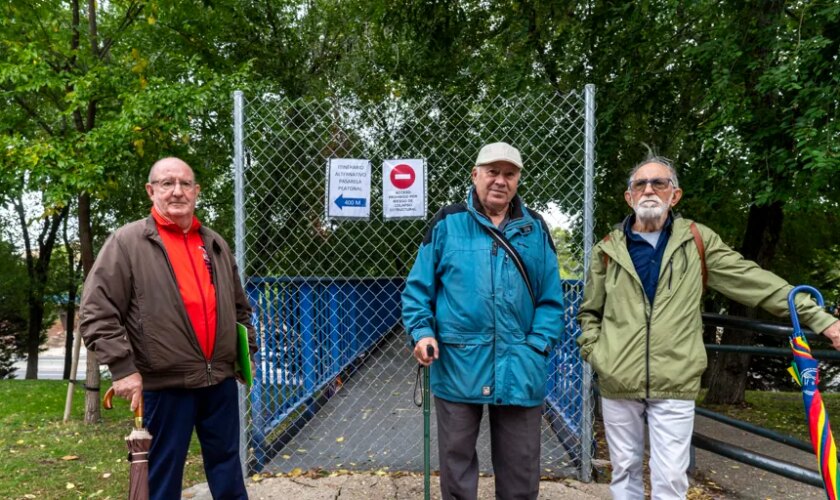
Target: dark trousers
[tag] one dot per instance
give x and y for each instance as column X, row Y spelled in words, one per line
column 171, row 415
column 514, row 443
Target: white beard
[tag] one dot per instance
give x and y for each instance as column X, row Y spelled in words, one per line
column 651, row 208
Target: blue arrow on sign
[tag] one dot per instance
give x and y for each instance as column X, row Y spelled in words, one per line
column 342, row 202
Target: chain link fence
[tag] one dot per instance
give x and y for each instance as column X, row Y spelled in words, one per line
column 335, row 381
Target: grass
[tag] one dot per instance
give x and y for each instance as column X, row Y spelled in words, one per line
column 779, row 411
column 44, row 458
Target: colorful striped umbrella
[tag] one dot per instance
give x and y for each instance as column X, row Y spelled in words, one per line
column 805, row 371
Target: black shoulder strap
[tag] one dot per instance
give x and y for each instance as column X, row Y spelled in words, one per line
column 503, row 242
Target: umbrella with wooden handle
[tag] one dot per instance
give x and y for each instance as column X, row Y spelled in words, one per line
column 139, row 442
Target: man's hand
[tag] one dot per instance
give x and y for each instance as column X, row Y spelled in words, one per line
column 420, row 351
column 130, row 388
column 833, row 333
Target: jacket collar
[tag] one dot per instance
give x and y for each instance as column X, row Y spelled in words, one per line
column 515, row 211
column 616, row 246
column 165, row 224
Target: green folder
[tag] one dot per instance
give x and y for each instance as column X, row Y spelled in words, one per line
column 243, row 354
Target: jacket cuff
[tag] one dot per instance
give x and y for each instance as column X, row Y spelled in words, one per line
column 122, row 368
column 537, row 343
column 421, row 333
column 820, row 321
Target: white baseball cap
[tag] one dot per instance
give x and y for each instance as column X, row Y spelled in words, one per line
column 498, row 151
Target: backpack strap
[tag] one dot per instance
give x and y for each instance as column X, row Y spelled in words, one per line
column 701, row 249
column 606, row 257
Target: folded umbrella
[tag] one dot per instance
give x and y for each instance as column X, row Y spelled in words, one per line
column 139, row 442
column 805, row 371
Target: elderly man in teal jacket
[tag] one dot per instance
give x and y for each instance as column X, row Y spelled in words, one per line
column 485, row 293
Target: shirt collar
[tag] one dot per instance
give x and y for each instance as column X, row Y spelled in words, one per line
column 164, row 223
column 631, row 219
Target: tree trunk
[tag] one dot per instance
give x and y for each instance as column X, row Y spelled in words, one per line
column 38, row 270
column 70, row 312
column 92, row 382
column 728, row 372
column 33, row 336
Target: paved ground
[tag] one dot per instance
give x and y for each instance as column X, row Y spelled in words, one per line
column 744, row 481
column 738, row 481
column 371, row 486
column 378, row 426
column 51, row 365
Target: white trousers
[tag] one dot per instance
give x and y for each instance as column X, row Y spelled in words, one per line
column 670, row 424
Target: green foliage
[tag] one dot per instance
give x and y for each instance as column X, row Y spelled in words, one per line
column 13, row 311
column 570, row 265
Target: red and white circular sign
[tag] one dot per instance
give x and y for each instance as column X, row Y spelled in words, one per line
column 402, row 176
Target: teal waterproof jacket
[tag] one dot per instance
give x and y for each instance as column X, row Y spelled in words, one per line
column 655, row 350
column 466, row 292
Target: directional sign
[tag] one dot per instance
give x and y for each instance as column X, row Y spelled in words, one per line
column 348, row 189
column 404, row 189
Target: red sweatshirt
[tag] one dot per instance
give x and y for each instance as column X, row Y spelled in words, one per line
column 193, row 272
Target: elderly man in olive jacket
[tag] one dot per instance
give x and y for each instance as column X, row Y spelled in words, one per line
column 642, row 328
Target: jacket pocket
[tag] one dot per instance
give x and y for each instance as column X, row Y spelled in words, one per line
column 526, row 375
column 465, row 370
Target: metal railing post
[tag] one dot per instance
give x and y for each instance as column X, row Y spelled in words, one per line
column 588, row 241
column 239, row 245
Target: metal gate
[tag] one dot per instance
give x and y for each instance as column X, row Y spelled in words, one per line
column 335, row 380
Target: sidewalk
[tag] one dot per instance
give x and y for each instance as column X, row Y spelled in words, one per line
column 369, row 486
column 744, row 481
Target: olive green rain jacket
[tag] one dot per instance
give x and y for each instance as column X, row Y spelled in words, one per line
column 655, row 351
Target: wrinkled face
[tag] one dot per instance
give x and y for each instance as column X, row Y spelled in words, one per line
column 495, row 184
column 651, row 192
column 173, row 190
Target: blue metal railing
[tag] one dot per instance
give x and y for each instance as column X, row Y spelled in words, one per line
column 311, row 332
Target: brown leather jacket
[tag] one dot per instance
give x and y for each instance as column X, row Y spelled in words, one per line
column 133, row 317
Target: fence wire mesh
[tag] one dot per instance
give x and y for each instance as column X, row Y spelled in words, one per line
column 335, row 381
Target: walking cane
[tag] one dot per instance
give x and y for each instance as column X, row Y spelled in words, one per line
column 427, row 411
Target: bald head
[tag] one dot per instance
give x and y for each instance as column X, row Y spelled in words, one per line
column 167, row 162
column 173, row 190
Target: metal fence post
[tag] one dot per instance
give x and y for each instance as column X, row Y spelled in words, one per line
column 239, row 244
column 586, row 438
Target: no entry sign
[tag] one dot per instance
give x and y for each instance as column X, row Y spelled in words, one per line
column 402, row 176
column 404, row 189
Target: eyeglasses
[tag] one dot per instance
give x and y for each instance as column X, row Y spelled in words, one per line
column 167, row 185
column 658, row 184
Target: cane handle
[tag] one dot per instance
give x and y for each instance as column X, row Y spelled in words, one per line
column 106, row 401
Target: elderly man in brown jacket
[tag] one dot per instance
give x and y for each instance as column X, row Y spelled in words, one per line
column 160, row 308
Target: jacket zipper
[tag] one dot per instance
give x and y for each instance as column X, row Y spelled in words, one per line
column 648, row 314
column 175, row 281
column 204, row 308
column 494, row 252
